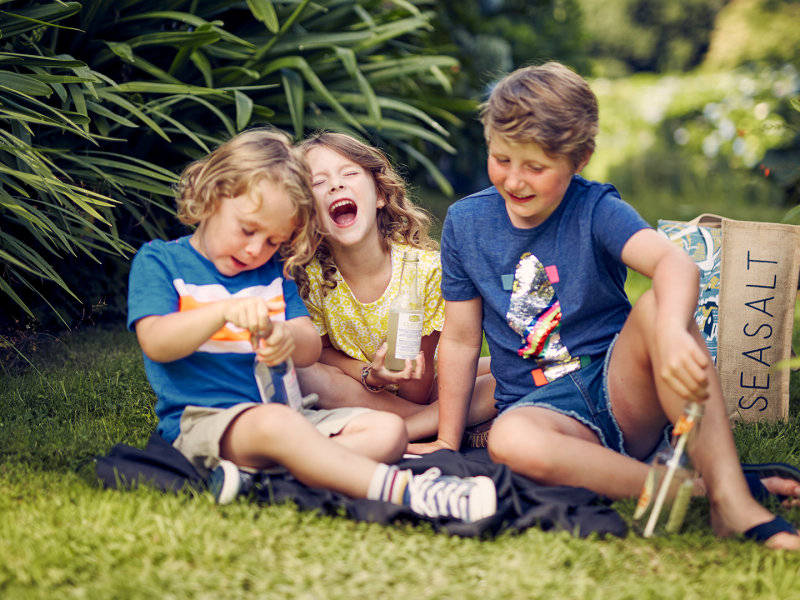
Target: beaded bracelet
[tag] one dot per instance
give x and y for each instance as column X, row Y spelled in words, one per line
column 364, row 374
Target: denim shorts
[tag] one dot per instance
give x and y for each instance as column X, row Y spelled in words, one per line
column 582, row 395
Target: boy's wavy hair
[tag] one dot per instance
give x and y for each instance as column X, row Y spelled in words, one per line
column 548, row 104
column 237, row 167
column 400, row 220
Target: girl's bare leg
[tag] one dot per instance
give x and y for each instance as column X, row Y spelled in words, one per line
column 425, row 423
column 378, row 435
column 337, row 389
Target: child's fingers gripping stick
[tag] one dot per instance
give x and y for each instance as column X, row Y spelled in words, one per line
column 695, row 373
column 684, row 366
column 260, row 334
column 275, row 346
column 248, row 313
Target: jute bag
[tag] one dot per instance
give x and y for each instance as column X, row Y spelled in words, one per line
column 751, row 270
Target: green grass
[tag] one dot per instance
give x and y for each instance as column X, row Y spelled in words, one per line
column 63, row 537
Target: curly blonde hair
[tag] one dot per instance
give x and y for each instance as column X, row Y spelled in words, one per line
column 240, row 165
column 400, row 220
column 548, row 104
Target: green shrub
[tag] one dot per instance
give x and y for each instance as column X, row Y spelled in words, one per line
column 102, row 102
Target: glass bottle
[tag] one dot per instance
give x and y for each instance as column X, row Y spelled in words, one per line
column 669, row 484
column 404, row 334
column 277, row 383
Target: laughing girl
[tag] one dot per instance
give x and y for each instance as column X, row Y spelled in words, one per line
column 368, row 222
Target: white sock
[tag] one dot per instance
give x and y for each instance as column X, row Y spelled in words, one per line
column 389, row 484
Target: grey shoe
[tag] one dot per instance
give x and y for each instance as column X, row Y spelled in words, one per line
column 226, row 482
column 468, row 499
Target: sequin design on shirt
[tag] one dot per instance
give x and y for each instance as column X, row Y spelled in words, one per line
column 535, row 314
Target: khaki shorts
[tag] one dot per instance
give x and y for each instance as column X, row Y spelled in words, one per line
column 202, row 429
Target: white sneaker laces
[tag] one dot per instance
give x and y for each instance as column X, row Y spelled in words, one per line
column 435, row 495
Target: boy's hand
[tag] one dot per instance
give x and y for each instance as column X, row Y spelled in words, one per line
column 248, row 313
column 683, row 365
column 387, row 377
column 275, row 346
column 273, row 341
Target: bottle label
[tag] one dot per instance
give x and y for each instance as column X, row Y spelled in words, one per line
column 679, row 507
column 646, row 495
column 409, row 335
column 265, row 383
column 294, row 396
column 279, row 384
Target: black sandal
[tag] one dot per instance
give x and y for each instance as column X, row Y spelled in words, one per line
column 761, row 533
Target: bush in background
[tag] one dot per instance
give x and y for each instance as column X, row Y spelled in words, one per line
column 628, row 36
column 102, row 102
column 491, row 38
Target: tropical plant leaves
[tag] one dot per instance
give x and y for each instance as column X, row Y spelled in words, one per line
column 108, row 101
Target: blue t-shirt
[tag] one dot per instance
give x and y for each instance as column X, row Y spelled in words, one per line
column 552, row 295
column 167, row 277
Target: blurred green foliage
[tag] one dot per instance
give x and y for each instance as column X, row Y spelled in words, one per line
column 755, row 31
column 103, row 102
column 491, row 38
column 680, row 146
column 712, row 130
column 642, row 35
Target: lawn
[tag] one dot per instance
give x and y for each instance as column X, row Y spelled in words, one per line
column 63, row 537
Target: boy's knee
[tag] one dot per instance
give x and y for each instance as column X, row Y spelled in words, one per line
column 504, row 440
column 389, row 424
column 273, row 421
column 513, row 442
column 397, row 437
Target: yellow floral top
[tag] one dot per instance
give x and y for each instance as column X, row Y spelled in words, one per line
column 359, row 329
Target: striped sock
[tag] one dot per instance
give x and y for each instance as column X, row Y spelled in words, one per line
column 389, row 484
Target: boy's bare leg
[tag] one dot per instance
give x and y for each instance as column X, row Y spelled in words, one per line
column 271, row 434
column 554, row 449
column 636, row 400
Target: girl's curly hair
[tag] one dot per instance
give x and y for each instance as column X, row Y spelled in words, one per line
column 400, row 220
column 239, row 166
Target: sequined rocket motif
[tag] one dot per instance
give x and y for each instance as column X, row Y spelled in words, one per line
column 535, row 314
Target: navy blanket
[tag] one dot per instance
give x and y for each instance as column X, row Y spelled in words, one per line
column 521, row 503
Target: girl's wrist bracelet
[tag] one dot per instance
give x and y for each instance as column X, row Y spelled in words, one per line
column 364, row 374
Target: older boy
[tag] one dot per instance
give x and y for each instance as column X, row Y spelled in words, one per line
column 585, row 385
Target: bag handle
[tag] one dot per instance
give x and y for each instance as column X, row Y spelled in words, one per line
column 707, row 219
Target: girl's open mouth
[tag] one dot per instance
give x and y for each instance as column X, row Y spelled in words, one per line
column 343, row 212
